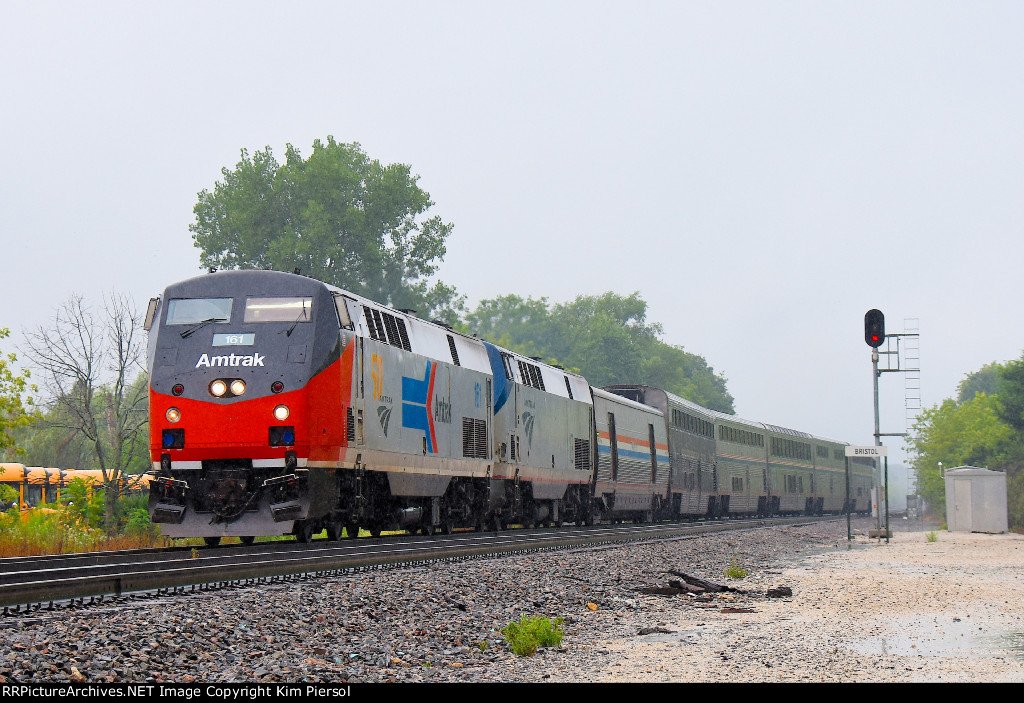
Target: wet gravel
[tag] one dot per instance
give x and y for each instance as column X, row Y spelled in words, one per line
column 442, row 622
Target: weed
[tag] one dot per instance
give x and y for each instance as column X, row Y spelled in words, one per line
column 483, row 645
column 931, row 537
column 529, row 633
column 735, row 571
column 59, row 529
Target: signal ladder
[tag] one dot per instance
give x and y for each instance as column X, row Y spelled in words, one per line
column 911, row 375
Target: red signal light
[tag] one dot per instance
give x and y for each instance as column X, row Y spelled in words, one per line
column 874, row 328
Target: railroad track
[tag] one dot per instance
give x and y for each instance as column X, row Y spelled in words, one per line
column 30, row 584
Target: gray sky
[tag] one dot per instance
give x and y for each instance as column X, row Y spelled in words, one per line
column 749, row 167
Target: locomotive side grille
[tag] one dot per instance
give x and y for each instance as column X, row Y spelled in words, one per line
column 531, row 374
column 455, row 352
column 386, row 328
column 403, row 334
column 474, row 438
column 392, row 329
column 582, row 455
column 373, row 323
column 350, row 425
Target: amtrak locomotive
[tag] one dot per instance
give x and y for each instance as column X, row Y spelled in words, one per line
column 283, row 405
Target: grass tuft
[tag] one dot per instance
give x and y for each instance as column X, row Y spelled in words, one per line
column 735, row 571
column 525, row 636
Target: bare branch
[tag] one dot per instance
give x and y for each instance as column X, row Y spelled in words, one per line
column 89, row 366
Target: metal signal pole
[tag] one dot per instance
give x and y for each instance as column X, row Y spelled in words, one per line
column 878, row 442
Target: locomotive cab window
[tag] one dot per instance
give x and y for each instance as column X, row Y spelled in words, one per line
column 294, row 309
column 344, row 318
column 189, row 311
column 151, row 310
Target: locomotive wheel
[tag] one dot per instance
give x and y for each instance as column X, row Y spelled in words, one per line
column 247, row 540
column 374, row 531
column 351, row 531
column 211, row 541
column 304, row 531
column 334, row 530
column 446, row 526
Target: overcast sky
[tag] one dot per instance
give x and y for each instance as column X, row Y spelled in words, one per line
column 762, row 173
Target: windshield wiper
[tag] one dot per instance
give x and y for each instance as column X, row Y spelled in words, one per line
column 302, row 316
column 192, row 330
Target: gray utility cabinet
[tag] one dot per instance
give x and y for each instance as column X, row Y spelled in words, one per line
column 975, row 500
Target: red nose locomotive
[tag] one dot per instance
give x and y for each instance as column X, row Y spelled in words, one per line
column 282, row 405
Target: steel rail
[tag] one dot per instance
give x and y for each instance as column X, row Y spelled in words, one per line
column 114, row 574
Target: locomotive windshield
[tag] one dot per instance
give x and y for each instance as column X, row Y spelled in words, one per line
column 189, row 311
column 295, row 309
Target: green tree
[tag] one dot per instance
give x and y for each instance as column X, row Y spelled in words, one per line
column 16, row 409
column 984, row 380
column 1011, row 394
column 605, row 338
column 958, row 434
column 338, row 216
column 57, row 441
column 84, row 505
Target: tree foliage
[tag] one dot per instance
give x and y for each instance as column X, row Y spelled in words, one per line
column 338, row 216
column 984, row 380
column 605, row 338
column 1011, row 394
column 91, row 367
column 956, row 434
column 55, row 440
column 980, row 428
column 16, row 408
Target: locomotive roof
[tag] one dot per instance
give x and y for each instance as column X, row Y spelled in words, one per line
column 606, row 395
column 430, row 337
column 726, row 417
column 830, row 441
column 786, row 430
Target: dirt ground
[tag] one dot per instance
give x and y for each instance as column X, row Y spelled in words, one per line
column 906, row 610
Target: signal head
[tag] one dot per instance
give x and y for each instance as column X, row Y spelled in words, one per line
column 874, row 328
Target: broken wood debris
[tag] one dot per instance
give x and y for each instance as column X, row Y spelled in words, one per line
column 704, row 585
column 655, row 630
column 701, row 590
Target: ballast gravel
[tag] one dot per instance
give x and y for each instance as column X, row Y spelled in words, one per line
column 906, row 610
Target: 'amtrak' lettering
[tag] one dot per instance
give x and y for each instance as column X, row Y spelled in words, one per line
column 230, row 360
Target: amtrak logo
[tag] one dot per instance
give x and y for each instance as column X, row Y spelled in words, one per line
column 230, row 360
column 528, row 427
column 384, row 415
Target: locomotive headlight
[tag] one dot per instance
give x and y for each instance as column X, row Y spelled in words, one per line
column 173, row 414
column 237, row 387
column 218, row 388
column 281, row 413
